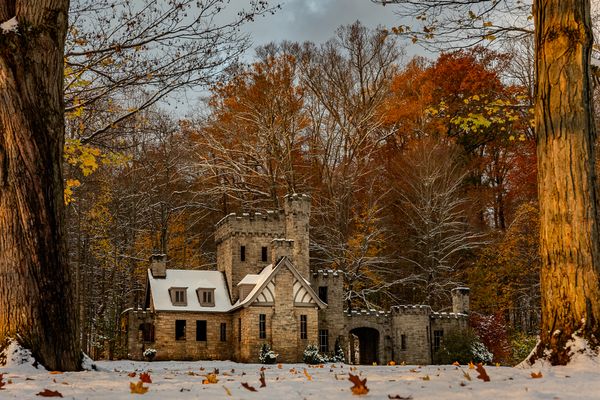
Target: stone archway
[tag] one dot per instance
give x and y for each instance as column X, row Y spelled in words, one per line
column 364, row 345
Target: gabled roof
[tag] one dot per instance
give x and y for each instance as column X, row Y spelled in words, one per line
column 267, row 275
column 192, row 280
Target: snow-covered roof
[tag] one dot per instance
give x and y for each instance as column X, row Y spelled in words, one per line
column 192, row 280
column 259, row 281
column 250, row 279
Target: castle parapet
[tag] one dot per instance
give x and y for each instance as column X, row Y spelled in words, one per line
column 270, row 223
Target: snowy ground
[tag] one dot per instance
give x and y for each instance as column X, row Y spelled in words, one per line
column 184, row 380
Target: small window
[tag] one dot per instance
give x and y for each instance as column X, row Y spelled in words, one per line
column 264, row 253
column 223, row 332
column 262, row 326
column 201, row 331
column 323, row 293
column 303, row 326
column 239, row 329
column 243, row 253
column 323, row 340
column 206, row 297
column 180, row 329
column 437, row 340
column 402, row 342
column 178, row 296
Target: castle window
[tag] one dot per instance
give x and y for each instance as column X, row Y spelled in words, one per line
column 180, row 329
column 206, row 297
column 403, row 342
column 323, row 340
column 243, row 253
column 303, row 326
column 264, row 253
column 437, row 340
column 223, row 332
column 239, row 329
column 178, row 296
column 323, row 293
column 147, row 332
column 262, row 326
column 201, row 331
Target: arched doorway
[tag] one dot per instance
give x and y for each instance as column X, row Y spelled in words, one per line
column 364, row 346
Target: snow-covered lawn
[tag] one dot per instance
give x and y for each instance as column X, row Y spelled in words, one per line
column 184, row 380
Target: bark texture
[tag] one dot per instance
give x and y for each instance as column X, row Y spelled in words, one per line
column 569, row 244
column 36, row 298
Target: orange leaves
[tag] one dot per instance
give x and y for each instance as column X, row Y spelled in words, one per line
column 131, row 374
column 210, row 379
column 482, row 373
column 307, row 375
column 138, row 388
column 2, row 383
column 145, row 377
column 536, row 375
column 359, row 386
column 49, row 393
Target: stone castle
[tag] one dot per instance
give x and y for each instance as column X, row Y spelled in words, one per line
column 264, row 291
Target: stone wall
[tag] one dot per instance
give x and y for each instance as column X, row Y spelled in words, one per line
column 297, row 223
column 413, row 322
column 331, row 318
column 189, row 349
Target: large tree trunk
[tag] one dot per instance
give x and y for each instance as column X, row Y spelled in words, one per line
column 36, row 296
column 568, row 207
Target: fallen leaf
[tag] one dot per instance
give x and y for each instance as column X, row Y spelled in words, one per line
column 536, row 376
column 55, row 372
column 49, row 393
column 262, row 369
column 392, row 363
column 201, row 368
column 398, row 397
column 279, row 366
column 227, row 391
column 216, row 371
column 466, row 375
column 471, row 365
column 145, row 377
column 307, row 375
column 293, row 371
column 210, row 378
column 138, row 387
column 250, row 388
column 262, row 380
column 426, row 378
column 359, row 386
column 131, row 374
column 1, row 383
column 482, row 373
column 456, row 363
column 497, row 364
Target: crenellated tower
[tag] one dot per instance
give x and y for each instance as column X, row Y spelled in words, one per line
column 297, row 222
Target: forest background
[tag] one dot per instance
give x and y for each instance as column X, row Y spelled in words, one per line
column 422, row 172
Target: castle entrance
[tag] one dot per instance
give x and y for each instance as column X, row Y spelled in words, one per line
column 364, row 346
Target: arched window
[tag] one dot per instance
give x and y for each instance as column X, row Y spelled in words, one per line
column 147, row 332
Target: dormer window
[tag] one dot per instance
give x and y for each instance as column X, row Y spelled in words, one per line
column 206, row 297
column 178, row 296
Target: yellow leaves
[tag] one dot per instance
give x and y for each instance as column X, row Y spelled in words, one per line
column 471, row 365
column 210, row 379
column 359, row 386
column 68, row 191
column 138, row 388
column 307, row 375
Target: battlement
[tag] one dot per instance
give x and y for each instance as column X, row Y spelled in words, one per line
column 297, row 203
column 271, row 223
column 445, row 315
column 327, row 273
column 420, row 309
column 371, row 312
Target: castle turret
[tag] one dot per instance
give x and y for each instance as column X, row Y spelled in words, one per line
column 460, row 300
column 297, row 218
column 281, row 248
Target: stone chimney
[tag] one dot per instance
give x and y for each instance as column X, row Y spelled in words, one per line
column 460, row 300
column 281, row 248
column 158, row 265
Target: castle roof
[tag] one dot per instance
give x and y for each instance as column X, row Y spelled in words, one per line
column 190, row 280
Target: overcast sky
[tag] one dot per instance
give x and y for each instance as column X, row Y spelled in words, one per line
column 317, row 20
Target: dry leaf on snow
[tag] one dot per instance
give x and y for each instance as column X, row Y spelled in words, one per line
column 227, row 391
column 482, row 373
column 1, row 383
column 360, row 386
column 131, row 374
column 250, row 388
column 49, row 393
column 536, row 376
column 307, row 375
column 145, row 377
column 398, row 397
column 138, row 388
column 262, row 380
column 210, row 378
